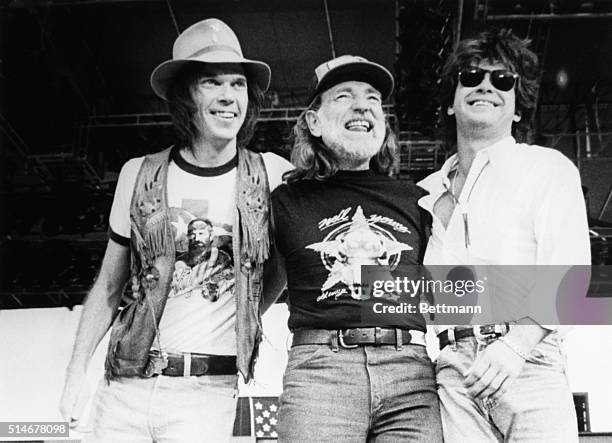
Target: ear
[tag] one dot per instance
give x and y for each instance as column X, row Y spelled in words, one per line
column 517, row 117
column 313, row 122
column 450, row 111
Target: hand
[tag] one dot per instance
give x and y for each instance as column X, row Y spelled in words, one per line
column 493, row 371
column 74, row 396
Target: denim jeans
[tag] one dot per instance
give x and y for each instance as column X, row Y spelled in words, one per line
column 366, row 394
column 537, row 407
column 164, row 409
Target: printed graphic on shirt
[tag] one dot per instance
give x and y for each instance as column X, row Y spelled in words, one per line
column 356, row 241
column 204, row 264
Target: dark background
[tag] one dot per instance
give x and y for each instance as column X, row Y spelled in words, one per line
column 75, row 102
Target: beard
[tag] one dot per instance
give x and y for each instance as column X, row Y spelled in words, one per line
column 352, row 154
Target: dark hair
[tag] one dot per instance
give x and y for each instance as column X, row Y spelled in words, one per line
column 184, row 112
column 313, row 160
column 493, row 46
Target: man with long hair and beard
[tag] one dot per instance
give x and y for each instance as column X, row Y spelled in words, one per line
column 351, row 376
column 179, row 342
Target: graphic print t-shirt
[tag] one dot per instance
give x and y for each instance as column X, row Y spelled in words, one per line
column 327, row 230
column 200, row 312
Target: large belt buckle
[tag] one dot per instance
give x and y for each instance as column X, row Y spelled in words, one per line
column 486, row 331
column 156, row 364
column 341, row 341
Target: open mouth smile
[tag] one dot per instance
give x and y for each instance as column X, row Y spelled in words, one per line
column 226, row 115
column 359, row 125
column 482, row 102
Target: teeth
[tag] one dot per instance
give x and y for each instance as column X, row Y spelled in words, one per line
column 482, row 103
column 223, row 114
column 359, row 125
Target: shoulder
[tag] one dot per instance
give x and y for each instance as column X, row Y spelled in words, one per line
column 276, row 166
column 296, row 193
column 129, row 172
column 410, row 189
column 280, row 193
column 547, row 161
column 132, row 165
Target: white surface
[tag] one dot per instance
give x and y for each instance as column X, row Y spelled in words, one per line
column 35, row 345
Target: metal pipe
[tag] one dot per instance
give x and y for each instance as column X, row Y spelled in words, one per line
column 329, row 30
column 459, row 22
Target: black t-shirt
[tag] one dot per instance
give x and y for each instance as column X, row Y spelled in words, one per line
column 326, row 230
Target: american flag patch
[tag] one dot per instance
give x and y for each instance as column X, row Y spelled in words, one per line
column 257, row 417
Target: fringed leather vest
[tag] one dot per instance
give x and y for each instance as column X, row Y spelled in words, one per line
column 153, row 257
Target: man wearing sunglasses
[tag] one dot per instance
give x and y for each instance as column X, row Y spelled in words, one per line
column 499, row 202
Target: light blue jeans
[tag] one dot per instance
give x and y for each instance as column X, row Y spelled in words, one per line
column 367, row 394
column 537, row 407
column 164, row 409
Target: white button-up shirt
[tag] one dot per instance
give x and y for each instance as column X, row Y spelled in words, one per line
column 520, row 205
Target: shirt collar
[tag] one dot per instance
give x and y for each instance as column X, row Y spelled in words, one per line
column 437, row 183
column 498, row 151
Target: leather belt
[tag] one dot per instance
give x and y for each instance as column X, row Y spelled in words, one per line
column 354, row 337
column 480, row 331
column 188, row 364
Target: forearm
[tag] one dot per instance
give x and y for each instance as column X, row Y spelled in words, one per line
column 526, row 334
column 98, row 313
column 101, row 305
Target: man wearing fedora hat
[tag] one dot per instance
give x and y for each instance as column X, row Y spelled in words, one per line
column 351, row 376
column 175, row 347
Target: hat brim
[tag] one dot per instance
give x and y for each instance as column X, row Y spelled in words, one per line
column 256, row 71
column 373, row 73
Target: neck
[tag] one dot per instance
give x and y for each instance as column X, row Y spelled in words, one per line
column 207, row 154
column 354, row 165
column 472, row 140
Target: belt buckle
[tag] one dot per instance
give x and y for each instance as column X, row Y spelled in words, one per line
column 156, row 364
column 485, row 331
column 341, row 341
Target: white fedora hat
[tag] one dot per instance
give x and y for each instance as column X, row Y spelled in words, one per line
column 208, row 41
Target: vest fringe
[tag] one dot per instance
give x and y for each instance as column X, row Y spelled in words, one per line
column 156, row 240
column 252, row 208
column 255, row 242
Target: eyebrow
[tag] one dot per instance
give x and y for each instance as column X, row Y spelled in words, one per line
column 369, row 90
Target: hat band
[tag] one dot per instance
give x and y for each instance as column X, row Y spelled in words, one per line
column 214, row 48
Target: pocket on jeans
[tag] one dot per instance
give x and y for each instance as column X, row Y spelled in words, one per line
column 443, row 359
column 547, row 354
column 304, row 354
column 224, row 385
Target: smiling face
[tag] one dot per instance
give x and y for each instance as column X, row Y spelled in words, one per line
column 351, row 122
column 483, row 107
column 221, row 97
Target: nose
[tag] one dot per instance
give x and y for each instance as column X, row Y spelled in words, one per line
column 361, row 103
column 485, row 84
column 226, row 93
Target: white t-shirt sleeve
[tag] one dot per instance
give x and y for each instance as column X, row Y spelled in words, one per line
column 276, row 166
column 119, row 219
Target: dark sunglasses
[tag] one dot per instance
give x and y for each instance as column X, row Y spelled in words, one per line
column 500, row 78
